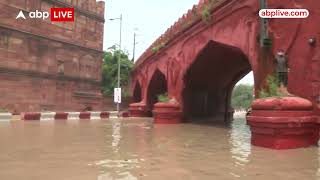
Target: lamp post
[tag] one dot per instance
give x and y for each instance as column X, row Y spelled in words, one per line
column 118, row 85
column 135, row 34
column 134, row 46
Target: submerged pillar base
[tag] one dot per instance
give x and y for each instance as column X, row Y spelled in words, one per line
column 138, row 110
column 283, row 123
column 167, row 113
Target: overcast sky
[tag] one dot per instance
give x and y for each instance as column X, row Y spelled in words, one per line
column 148, row 18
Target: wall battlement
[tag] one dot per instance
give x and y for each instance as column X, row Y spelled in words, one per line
column 193, row 16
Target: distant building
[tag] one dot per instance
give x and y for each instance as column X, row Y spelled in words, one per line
column 51, row 66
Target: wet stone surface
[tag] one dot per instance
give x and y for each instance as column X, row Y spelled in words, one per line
column 137, row 149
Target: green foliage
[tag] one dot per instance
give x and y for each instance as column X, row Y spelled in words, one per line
column 242, row 96
column 163, row 97
column 205, row 13
column 272, row 90
column 110, row 71
column 3, row 110
column 158, row 47
column 263, row 94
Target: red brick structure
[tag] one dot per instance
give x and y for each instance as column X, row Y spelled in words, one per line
column 51, row 66
column 283, row 123
column 199, row 59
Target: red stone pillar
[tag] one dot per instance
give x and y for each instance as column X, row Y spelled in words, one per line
column 167, row 113
column 138, row 109
column 283, row 123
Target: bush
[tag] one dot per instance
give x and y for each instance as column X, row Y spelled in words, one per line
column 158, row 47
column 272, row 89
column 205, row 13
column 163, row 97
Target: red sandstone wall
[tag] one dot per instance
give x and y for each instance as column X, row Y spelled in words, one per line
column 26, row 52
column 23, row 93
column 51, row 66
column 87, row 30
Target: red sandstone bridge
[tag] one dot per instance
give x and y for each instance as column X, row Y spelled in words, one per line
column 199, row 59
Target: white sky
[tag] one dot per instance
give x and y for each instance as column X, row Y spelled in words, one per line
column 148, row 18
column 248, row 79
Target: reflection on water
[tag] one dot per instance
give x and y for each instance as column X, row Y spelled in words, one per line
column 136, row 149
column 318, row 171
column 116, row 136
column 240, row 146
column 240, row 140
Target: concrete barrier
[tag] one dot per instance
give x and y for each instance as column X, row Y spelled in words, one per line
column 47, row 116
column 73, row 115
column 84, row 115
column 95, row 115
column 5, row 116
column 31, row 116
column 61, row 116
column 113, row 114
column 104, row 115
column 125, row 114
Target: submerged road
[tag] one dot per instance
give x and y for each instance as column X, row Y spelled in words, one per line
column 137, row 149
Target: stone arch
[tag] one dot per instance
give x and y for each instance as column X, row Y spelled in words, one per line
column 157, row 85
column 232, row 31
column 209, row 81
column 137, row 92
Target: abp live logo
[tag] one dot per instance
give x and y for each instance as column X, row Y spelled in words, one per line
column 56, row 15
column 62, row 14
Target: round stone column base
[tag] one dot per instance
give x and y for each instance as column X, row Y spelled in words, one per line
column 283, row 123
column 138, row 110
column 167, row 113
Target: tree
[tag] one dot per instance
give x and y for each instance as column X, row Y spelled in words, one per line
column 110, row 71
column 242, row 96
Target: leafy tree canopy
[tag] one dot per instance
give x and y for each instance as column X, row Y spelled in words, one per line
column 110, row 71
column 242, row 96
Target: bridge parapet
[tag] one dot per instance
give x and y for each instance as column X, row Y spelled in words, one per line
column 189, row 19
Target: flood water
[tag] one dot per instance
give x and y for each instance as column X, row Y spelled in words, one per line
column 136, row 149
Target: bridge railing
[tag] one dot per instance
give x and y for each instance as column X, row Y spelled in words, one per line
column 194, row 15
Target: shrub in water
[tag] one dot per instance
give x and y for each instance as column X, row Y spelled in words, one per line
column 163, row 97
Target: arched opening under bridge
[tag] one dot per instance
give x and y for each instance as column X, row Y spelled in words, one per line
column 137, row 93
column 157, row 86
column 209, row 82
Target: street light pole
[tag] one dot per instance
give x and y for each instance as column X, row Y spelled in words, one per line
column 134, row 46
column 119, row 58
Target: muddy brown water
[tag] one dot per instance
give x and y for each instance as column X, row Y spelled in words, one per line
column 136, row 149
